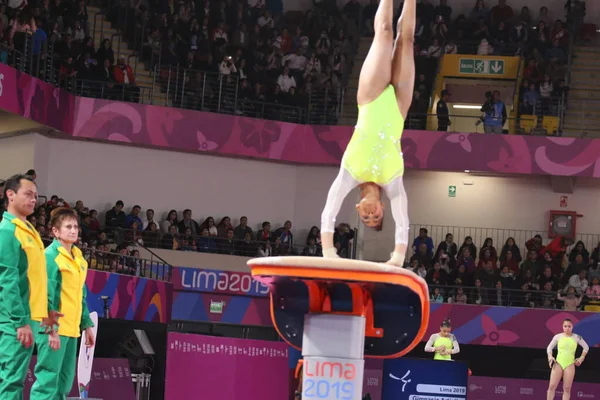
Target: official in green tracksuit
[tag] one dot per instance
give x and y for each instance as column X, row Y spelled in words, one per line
column 23, row 286
column 67, row 270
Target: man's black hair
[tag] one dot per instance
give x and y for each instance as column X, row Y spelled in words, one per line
column 14, row 183
column 31, row 172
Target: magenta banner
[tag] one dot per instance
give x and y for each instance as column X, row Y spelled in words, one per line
column 34, row 99
column 225, row 368
column 306, row 144
column 373, row 378
column 111, row 379
column 511, row 326
column 196, row 131
column 485, row 388
column 131, row 298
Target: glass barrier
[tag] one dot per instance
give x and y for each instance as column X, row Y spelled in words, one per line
column 499, row 236
column 499, row 295
column 221, row 245
column 109, row 91
column 472, row 47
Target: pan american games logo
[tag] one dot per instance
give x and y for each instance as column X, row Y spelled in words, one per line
column 405, row 381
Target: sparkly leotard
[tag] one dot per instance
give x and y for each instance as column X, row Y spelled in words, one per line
column 436, row 340
column 567, row 345
column 373, row 155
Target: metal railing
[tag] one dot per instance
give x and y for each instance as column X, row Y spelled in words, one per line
column 499, row 236
column 209, row 91
column 108, row 261
column 582, row 115
column 109, row 91
column 498, row 295
column 221, row 245
column 126, row 264
column 523, row 125
column 498, row 49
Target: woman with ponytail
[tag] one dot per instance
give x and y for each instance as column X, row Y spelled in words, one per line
column 444, row 343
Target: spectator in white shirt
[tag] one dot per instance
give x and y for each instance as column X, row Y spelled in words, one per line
column 227, row 66
column 296, row 61
column 579, row 282
column 265, row 20
column 285, row 81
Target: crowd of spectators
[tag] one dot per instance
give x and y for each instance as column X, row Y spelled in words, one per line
column 497, row 30
column 242, row 56
column 270, row 57
column 255, row 50
column 185, row 234
column 541, row 276
column 58, row 37
column 124, row 232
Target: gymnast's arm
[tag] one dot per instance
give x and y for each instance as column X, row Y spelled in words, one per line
column 399, row 202
column 552, row 345
column 583, row 345
column 429, row 345
column 455, row 346
column 342, row 185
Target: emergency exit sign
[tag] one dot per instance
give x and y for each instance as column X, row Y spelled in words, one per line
column 474, row 66
column 451, row 191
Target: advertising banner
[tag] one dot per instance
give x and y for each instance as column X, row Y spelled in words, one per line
column 111, row 380
column 420, row 379
column 225, row 368
column 217, row 281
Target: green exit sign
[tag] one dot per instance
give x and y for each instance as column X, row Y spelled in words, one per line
column 474, row 66
column 451, row 191
column 216, row 307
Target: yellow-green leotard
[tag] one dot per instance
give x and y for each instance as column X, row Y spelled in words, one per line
column 437, row 340
column 374, row 153
column 567, row 346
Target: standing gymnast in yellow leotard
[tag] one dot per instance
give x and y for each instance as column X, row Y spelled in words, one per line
column 373, row 159
column 563, row 366
column 444, row 343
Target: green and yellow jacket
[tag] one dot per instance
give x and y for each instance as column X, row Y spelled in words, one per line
column 23, row 275
column 66, row 288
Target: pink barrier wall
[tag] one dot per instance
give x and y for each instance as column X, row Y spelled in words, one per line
column 241, row 136
column 196, row 131
column 486, row 388
column 31, row 98
column 225, row 368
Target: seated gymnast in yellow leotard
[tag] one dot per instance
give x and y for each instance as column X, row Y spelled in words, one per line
column 373, row 159
column 563, row 366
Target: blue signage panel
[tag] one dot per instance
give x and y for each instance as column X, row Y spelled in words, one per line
column 418, row 379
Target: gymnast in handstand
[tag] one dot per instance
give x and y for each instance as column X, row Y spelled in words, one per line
column 373, row 159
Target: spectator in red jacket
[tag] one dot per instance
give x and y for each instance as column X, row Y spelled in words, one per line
column 557, row 247
column 124, row 75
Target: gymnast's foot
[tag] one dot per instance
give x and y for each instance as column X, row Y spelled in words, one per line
column 330, row 253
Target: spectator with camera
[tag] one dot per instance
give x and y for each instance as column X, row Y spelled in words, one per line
column 494, row 113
